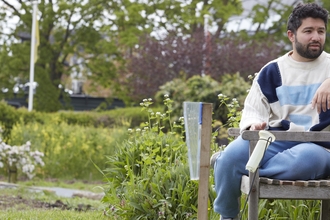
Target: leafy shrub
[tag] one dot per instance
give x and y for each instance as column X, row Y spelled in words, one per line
column 204, row 89
column 148, row 175
column 70, row 150
column 14, row 159
column 8, row 118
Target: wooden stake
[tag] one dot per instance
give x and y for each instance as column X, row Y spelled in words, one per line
column 204, row 169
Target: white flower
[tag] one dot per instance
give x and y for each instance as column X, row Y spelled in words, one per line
column 30, row 175
column 20, row 157
column 23, row 161
column 27, row 147
column 7, row 147
column 38, row 160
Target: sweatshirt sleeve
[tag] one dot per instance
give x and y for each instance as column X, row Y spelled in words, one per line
column 256, row 107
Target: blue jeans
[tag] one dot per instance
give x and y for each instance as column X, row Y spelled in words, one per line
column 282, row 160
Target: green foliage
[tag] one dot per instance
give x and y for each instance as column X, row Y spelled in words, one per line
column 46, row 98
column 195, row 89
column 148, row 177
column 70, row 150
column 288, row 209
column 8, row 118
column 71, row 141
column 262, row 17
column 205, row 89
column 137, row 18
column 61, row 38
column 234, row 111
column 235, row 86
column 129, row 116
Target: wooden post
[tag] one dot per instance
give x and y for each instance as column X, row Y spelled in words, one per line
column 254, row 194
column 204, row 169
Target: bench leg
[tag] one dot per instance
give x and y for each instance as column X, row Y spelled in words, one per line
column 325, row 210
column 253, row 206
column 254, row 196
column 254, row 185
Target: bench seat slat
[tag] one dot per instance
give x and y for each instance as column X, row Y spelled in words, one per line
column 279, row 189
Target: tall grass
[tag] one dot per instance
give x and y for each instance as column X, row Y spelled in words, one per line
column 70, row 150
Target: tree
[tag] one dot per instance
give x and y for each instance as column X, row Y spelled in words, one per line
column 94, row 34
column 156, row 62
column 68, row 30
column 165, row 16
column 271, row 17
column 101, row 40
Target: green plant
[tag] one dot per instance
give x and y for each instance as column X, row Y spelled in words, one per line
column 8, row 118
column 270, row 209
column 70, row 150
column 148, row 176
column 234, row 111
column 204, row 89
column 19, row 158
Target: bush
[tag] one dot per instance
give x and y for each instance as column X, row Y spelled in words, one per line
column 204, row 89
column 148, row 176
column 19, row 159
column 70, row 150
column 8, row 118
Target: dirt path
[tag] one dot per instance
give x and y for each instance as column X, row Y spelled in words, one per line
column 7, row 201
column 24, row 201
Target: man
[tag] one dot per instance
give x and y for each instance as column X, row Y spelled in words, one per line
column 289, row 93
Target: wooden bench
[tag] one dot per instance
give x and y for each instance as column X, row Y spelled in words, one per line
column 265, row 188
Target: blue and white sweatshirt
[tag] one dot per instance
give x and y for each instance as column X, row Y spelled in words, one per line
column 282, row 92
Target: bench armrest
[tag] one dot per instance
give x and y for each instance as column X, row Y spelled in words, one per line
column 304, row 136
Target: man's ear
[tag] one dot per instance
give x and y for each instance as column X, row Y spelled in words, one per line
column 291, row 36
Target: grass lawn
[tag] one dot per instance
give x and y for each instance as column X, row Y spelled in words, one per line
column 21, row 202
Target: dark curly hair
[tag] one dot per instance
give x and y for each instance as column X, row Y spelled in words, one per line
column 308, row 10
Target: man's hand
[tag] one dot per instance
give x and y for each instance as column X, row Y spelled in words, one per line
column 321, row 99
column 257, row 127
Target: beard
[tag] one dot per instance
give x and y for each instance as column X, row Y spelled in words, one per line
column 306, row 52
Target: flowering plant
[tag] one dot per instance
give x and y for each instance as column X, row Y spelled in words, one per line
column 14, row 158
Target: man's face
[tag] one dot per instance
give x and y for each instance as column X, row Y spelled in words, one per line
column 309, row 39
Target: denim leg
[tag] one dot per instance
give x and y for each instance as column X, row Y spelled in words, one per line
column 303, row 161
column 228, row 170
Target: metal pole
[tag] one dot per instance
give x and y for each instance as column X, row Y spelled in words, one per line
column 32, row 55
column 205, row 45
